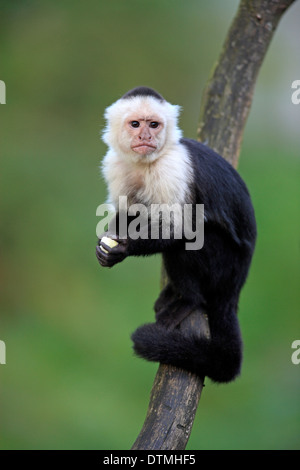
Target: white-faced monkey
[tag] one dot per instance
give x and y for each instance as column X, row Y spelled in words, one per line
column 150, row 162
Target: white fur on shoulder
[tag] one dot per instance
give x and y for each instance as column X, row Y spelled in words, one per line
column 165, row 181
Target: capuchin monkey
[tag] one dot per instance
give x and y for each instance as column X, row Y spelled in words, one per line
column 150, row 162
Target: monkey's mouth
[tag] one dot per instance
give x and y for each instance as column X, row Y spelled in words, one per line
column 143, row 148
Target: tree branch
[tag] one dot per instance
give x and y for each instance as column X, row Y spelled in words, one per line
column 228, row 94
column 225, row 107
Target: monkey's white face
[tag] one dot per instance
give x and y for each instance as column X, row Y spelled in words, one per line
column 140, row 129
column 144, row 133
column 145, row 160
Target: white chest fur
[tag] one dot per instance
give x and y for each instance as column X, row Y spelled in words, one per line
column 164, row 181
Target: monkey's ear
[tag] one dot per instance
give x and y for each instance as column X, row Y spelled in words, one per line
column 113, row 116
column 172, row 112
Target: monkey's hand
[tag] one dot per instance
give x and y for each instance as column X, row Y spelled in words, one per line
column 111, row 255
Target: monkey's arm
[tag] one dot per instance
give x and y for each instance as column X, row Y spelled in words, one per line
column 133, row 247
column 129, row 247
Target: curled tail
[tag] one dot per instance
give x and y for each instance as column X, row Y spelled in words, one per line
column 218, row 358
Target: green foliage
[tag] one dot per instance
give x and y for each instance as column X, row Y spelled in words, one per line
column 71, row 381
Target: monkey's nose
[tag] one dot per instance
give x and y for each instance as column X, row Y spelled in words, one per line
column 145, row 137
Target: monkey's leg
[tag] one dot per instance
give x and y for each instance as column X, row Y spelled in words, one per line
column 172, row 308
column 165, row 298
column 172, row 314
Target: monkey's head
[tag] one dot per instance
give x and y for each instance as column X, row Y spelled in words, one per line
column 141, row 125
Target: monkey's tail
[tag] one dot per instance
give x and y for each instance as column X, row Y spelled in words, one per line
column 218, row 358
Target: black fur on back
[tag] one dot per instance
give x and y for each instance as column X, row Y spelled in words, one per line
column 209, row 279
column 143, row 91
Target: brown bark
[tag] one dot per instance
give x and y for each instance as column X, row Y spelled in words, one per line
column 228, row 95
column 225, row 107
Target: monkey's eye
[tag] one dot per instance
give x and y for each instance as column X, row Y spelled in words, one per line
column 135, row 124
column 154, row 124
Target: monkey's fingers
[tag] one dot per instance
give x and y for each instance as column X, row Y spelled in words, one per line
column 103, row 258
column 108, row 259
column 104, row 248
column 100, row 258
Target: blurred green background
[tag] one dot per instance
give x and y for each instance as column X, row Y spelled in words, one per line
column 71, row 380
